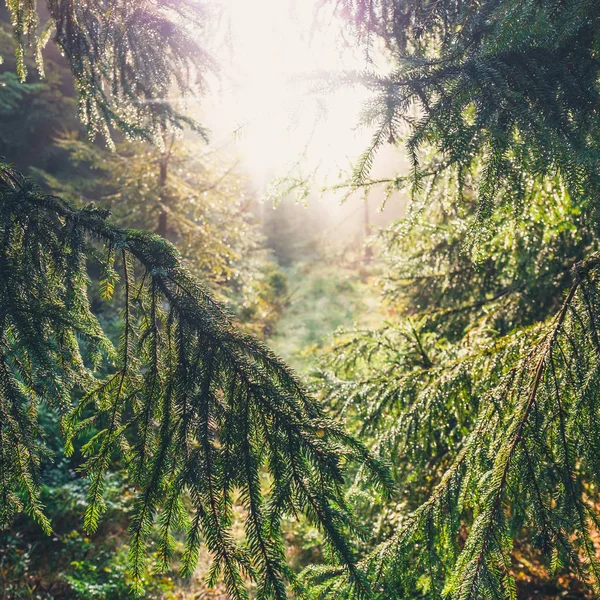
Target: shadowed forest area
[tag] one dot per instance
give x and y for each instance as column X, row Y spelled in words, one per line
column 299, row 300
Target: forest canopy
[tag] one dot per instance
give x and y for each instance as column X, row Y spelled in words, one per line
column 447, row 448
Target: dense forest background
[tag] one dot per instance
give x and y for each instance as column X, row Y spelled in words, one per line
column 430, row 281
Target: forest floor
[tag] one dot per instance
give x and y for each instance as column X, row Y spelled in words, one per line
column 323, row 296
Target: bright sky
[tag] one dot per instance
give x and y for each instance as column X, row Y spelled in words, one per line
column 271, row 52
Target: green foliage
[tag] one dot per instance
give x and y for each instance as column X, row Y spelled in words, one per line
column 506, row 90
column 440, row 386
column 321, row 298
column 70, row 563
column 124, row 56
column 14, row 94
column 138, row 399
column 482, row 386
column 195, row 408
column 185, row 193
column 33, row 113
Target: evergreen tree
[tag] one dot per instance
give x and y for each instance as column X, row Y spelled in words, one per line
column 482, row 388
column 125, row 56
column 32, row 113
column 201, row 414
column 505, row 88
column 186, row 193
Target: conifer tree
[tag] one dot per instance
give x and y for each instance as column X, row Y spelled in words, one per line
column 186, row 193
column 125, row 57
column 482, row 388
column 201, row 414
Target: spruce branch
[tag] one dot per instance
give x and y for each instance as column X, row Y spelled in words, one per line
column 194, row 408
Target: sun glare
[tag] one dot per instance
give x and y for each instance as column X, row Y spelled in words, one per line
column 275, row 49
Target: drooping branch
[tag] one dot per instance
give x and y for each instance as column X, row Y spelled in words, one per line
column 529, row 461
column 193, row 408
